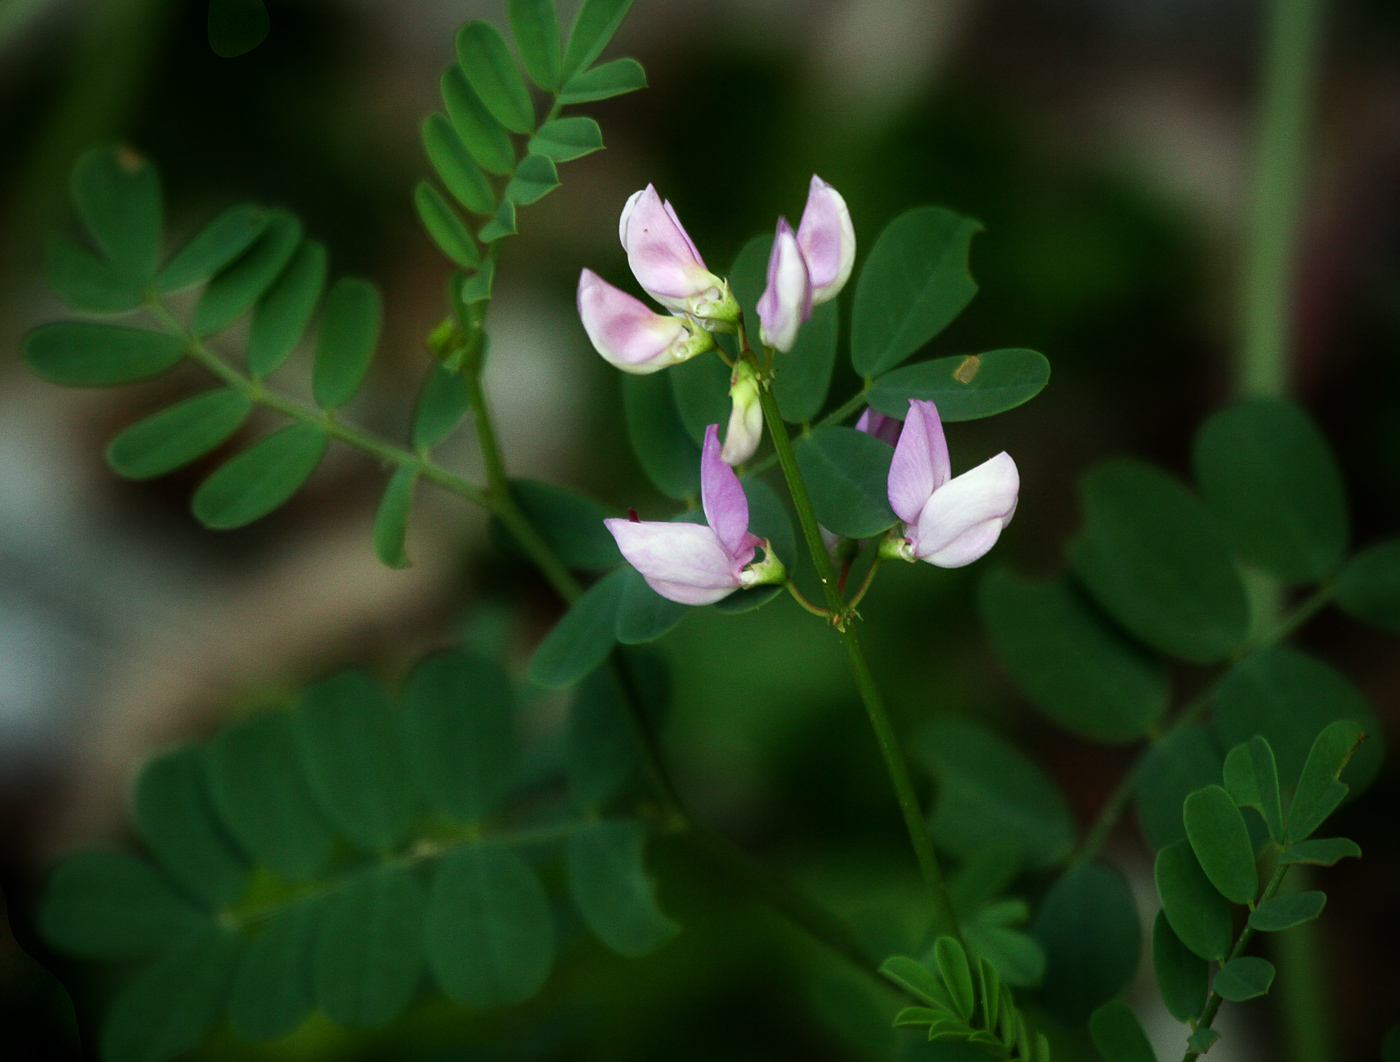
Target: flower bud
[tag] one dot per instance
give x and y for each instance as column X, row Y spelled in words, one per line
column 667, row 263
column 629, row 334
column 745, row 430
column 786, row 302
column 767, row 572
column 827, row 240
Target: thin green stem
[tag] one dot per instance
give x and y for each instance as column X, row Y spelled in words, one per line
column 865, row 584
column 801, row 599
column 1212, row 1007
column 885, row 736
column 1288, row 87
column 836, row 416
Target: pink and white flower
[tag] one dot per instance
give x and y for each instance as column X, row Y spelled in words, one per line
column 808, row 267
column 699, row 564
column 666, row 262
column 948, row 520
column 786, row 303
column 629, row 334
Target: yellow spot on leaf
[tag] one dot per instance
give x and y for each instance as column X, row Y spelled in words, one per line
column 968, row 369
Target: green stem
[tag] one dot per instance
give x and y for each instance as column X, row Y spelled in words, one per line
column 1213, row 1002
column 1286, row 111
column 895, row 763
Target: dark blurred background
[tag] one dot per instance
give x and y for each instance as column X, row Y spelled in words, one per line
column 1105, row 144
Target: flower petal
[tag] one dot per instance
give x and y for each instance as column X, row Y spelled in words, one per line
column 827, row 239
column 683, row 562
column 661, row 254
column 920, row 464
column 787, row 300
column 884, row 428
column 722, row 497
column 629, row 334
column 965, row 516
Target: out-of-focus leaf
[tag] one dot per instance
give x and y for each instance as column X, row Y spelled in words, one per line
column 89, row 283
column 117, row 193
column 456, row 166
column 110, row 905
column 485, row 58
column 1071, row 663
column 604, row 81
column 502, row 223
column 460, row 724
column 643, row 615
column 534, row 178
column 536, row 28
column 1269, row 475
column 489, row 930
column 485, row 137
column 1181, row 974
column 610, row 886
column 1088, row 926
column 666, row 452
column 566, row 139
column 594, row 27
column 273, row 991
column 236, row 27
column 259, row 789
column 1369, row 586
column 349, row 333
column 441, row 406
column 1118, row 1034
column 391, row 519
column 583, row 638
column 284, row 312
column 1154, row 558
column 235, row 288
column 444, row 227
column 213, row 247
column 1182, row 762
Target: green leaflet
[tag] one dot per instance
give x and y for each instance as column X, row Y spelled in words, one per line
column 441, row 405
column 1069, row 661
column 914, row 282
column 351, row 748
column 178, row 435
column 172, row 1003
column 262, row 796
column 610, row 887
column 236, row 287
column 1118, row 1034
column 666, row 452
column 1369, row 586
column 87, row 354
column 89, row 283
column 964, row 388
column 175, row 815
column 594, row 27
column 535, row 177
column 846, row 473
column 485, row 58
column 459, row 724
column 535, row 25
column 1154, row 558
column 1198, row 914
column 484, row 137
column 261, row 478
column 109, row 905
column 566, row 139
column 455, row 165
column 489, row 929
column 1088, row 926
column 273, row 992
column 1220, row 840
column 444, row 226
column 349, row 333
column 1267, row 472
column 604, row 81
column 391, row 519
column 117, row 194
column 1181, row 974
column 1244, row 978
column 284, row 312
column 1182, row 762
column 571, row 523
column 369, row 952
column 583, row 638
column 1287, row 910
column 213, row 247
column 501, row 224
column 1319, row 792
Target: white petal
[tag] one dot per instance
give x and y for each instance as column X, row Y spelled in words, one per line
column 683, row 562
column 964, row 516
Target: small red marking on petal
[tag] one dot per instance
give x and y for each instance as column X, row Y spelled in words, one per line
column 633, row 517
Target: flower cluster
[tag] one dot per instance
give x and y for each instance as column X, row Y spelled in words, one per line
column 945, row 520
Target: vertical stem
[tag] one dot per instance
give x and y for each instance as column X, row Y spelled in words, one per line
column 895, row 763
column 1287, row 98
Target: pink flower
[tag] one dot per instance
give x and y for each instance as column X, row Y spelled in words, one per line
column 666, row 263
column 629, row 335
column 786, row 303
column 699, row 564
column 827, row 240
column 883, row 427
column 808, row 267
column 948, row 520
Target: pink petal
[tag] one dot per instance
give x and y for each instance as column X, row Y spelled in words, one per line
column 626, row 331
column 722, row 496
column 920, row 464
column 827, row 240
column 786, row 302
column 683, row 562
column 663, row 258
column 965, row 516
column 884, row 428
